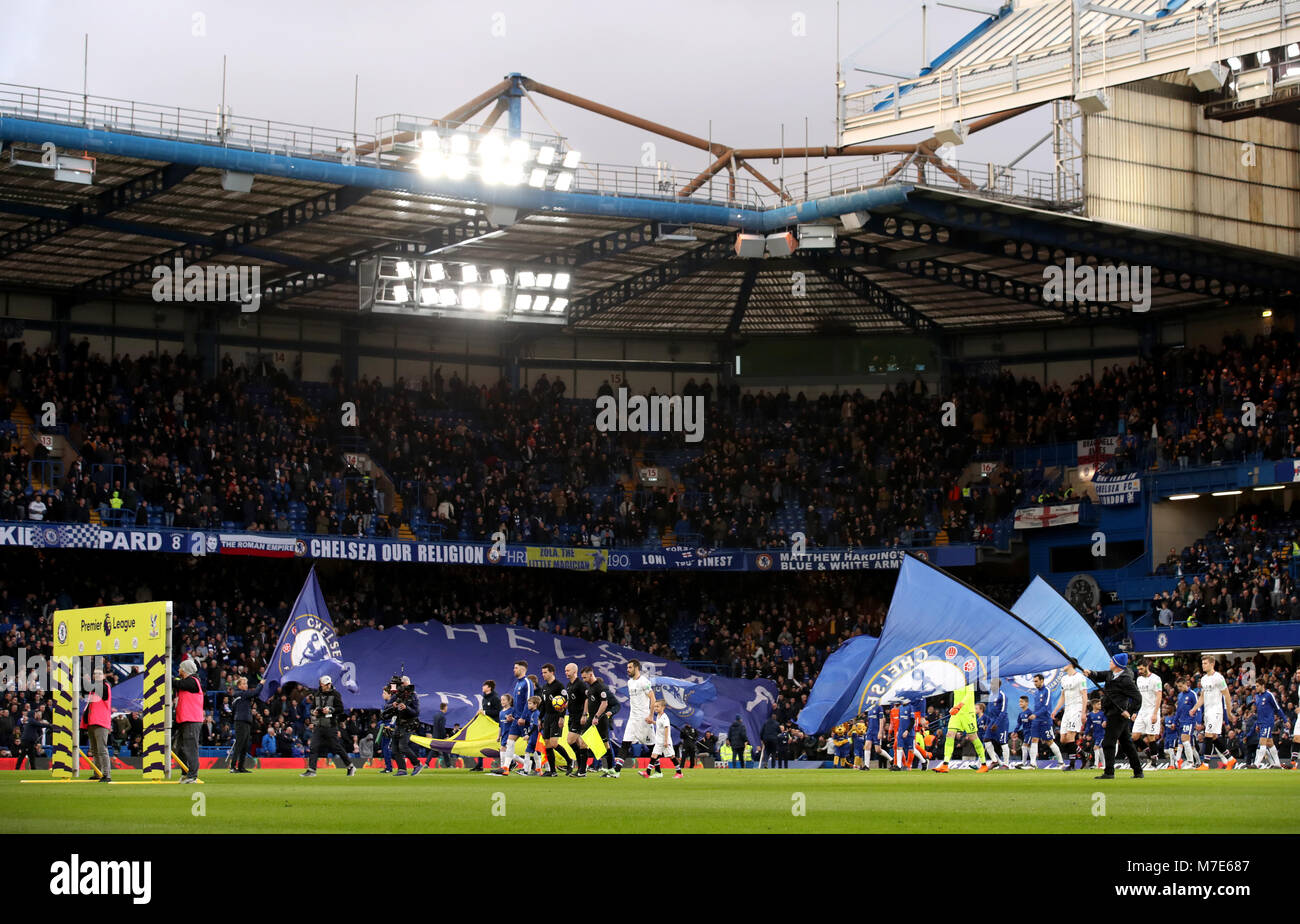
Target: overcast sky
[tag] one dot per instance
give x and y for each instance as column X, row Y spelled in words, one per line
column 748, row 67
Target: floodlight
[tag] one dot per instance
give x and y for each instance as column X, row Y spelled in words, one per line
column 491, row 299
column 561, row 281
column 457, row 167
column 1235, row 63
column 571, row 159
column 428, row 295
column 401, row 293
column 523, row 302
column 1264, row 57
column 527, row 279
column 520, row 152
column 540, row 302
column 447, row 297
column 469, row 298
column 544, row 280
column 404, row 269
column 546, row 156
column 469, row 273
column 537, row 179
column 564, row 182
column 499, row 276
column 433, row 272
column 559, row 305
column 460, row 143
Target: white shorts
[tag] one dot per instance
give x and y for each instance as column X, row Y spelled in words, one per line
column 638, row 731
column 1213, row 722
column 661, row 751
column 1071, row 722
column 1142, row 725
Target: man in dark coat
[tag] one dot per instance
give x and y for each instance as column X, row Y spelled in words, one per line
column 737, row 738
column 1120, row 699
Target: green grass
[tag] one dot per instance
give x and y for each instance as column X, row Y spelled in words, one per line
column 705, row 801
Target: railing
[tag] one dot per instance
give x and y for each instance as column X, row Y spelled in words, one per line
column 378, row 149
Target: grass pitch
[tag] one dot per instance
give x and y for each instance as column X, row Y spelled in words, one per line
column 704, row 801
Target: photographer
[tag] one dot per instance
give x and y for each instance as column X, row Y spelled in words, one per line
column 327, row 710
column 403, row 712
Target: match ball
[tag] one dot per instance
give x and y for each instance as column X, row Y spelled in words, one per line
column 558, row 702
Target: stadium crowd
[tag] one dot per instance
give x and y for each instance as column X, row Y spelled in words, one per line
column 249, row 447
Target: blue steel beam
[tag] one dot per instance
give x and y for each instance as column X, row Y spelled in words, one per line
column 60, row 221
column 468, row 190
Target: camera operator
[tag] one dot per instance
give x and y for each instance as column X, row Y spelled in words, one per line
column 403, row 712
column 327, row 710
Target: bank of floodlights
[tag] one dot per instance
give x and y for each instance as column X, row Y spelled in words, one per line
column 443, row 288
column 496, row 159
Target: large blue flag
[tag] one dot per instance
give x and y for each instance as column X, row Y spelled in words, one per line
column 940, row 634
column 308, row 637
column 835, row 695
column 1054, row 616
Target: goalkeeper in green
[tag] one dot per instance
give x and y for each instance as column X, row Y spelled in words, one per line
column 961, row 718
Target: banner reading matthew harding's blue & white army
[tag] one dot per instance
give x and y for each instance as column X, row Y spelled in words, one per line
column 939, row 635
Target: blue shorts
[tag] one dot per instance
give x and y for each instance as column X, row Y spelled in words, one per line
column 997, row 735
column 1265, row 729
column 532, row 741
column 1041, row 729
column 1188, row 730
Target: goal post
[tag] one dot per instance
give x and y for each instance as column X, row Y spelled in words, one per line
column 111, row 631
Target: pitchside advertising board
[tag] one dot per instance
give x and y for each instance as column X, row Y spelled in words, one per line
column 486, row 554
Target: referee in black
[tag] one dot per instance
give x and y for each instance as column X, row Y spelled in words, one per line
column 1120, row 700
column 577, row 693
column 552, row 716
column 597, row 712
column 244, row 697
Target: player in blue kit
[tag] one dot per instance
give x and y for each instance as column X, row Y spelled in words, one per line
column 1267, row 711
column 1041, row 730
column 1095, row 723
column 1185, row 713
column 999, row 729
column 874, row 736
column 517, row 727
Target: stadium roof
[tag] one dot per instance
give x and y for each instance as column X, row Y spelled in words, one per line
column 939, row 253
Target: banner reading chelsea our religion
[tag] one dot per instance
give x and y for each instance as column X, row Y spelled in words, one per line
column 282, row 545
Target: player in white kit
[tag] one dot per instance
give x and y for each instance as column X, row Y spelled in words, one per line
column 639, row 727
column 1071, row 707
column 1213, row 703
column 1147, row 724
